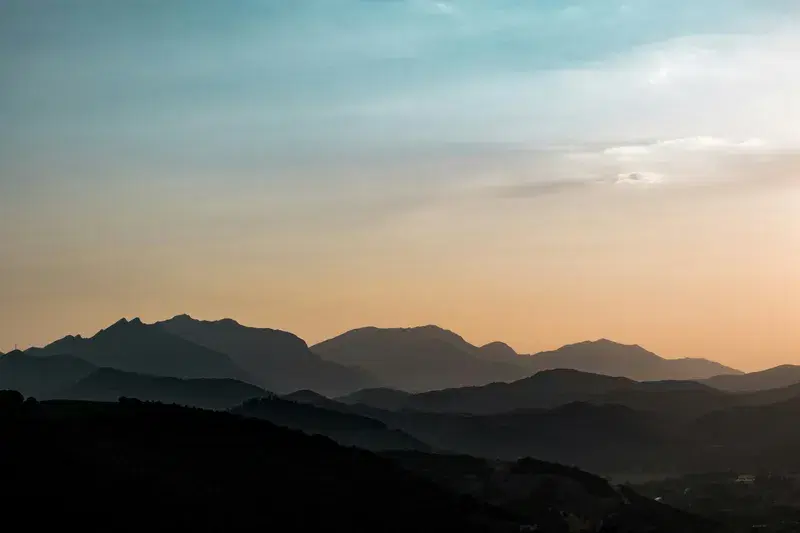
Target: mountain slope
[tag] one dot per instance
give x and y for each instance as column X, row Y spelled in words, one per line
column 773, row 378
column 41, row 376
column 548, row 389
column 601, row 438
column 431, row 358
column 136, row 347
column 416, row 359
column 277, row 360
column 348, row 429
column 108, row 385
column 631, row 361
column 381, row 398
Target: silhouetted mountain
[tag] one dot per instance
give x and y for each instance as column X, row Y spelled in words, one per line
column 655, row 432
column 431, row 358
column 773, row 378
column 631, row 361
column 546, row 389
column 108, row 385
column 136, row 347
column 277, row 360
column 41, row 376
column 600, row 438
column 345, row 428
column 132, row 467
column 757, row 438
column 498, row 351
column 417, row 359
column 381, row 398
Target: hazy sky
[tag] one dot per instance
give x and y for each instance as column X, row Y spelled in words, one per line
column 533, row 171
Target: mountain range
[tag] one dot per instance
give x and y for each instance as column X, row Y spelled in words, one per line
column 430, row 358
column 277, row 360
column 364, row 390
column 545, row 389
column 392, row 362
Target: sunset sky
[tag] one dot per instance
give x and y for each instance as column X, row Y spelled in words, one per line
column 533, row 171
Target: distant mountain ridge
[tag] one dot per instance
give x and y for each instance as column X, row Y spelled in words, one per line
column 277, row 360
column 417, row 359
column 430, row 358
column 348, row 429
column 772, row 378
column 133, row 346
column 632, row 361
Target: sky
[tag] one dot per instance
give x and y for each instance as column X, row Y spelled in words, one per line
column 533, row 171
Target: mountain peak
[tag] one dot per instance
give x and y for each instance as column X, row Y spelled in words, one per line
column 498, row 350
column 188, row 319
column 122, row 322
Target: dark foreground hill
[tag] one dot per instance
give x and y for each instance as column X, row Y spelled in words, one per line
column 552, row 495
column 131, row 466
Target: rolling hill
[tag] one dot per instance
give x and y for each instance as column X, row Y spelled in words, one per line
column 348, row 429
column 108, row 385
column 132, row 467
column 773, row 378
column 41, row 377
column 546, row 389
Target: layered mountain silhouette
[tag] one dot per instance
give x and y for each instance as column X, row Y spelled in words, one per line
column 142, row 465
column 279, row 361
column 546, row 389
column 381, row 398
column 403, row 359
column 632, row 361
column 431, row 358
column 41, row 377
column 348, row 429
column 133, row 346
column 108, row 385
column 773, row 378
column 417, row 359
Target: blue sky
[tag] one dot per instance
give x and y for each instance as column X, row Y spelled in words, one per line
column 222, row 83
